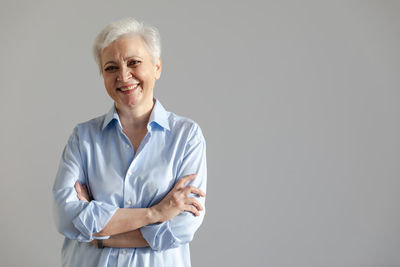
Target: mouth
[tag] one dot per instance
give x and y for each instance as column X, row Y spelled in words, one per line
column 128, row 88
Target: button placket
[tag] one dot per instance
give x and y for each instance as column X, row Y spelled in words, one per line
column 129, row 196
column 128, row 202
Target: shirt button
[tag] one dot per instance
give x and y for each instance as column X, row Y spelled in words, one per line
column 129, row 202
column 127, row 145
column 129, row 173
column 124, row 251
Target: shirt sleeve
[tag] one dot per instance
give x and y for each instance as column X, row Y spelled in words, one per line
column 76, row 219
column 181, row 229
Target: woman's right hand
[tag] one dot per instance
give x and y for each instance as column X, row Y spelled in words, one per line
column 177, row 200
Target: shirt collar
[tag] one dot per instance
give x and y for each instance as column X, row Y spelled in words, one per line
column 158, row 115
column 110, row 116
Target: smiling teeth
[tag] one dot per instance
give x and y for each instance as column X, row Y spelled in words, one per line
column 128, row 88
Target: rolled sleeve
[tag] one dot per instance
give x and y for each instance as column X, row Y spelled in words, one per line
column 93, row 218
column 76, row 219
column 181, row 229
column 159, row 236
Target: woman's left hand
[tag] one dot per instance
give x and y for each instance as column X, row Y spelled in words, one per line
column 82, row 192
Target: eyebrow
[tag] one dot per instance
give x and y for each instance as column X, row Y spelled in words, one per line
column 125, row 59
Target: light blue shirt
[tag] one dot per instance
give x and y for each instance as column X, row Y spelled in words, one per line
column 101, row 156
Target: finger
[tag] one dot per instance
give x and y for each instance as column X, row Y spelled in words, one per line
column 184, row 180
column 194, row 190
column 77, row 187
column 85, row 190
column 194, row 202
column 192, row 209
column 81, row 192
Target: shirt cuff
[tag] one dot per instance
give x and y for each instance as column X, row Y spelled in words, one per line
column 159, row 236
column 93, row 218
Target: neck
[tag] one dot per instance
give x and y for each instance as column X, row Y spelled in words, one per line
column 135, row 117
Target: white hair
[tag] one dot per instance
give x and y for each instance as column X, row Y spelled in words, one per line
column 123, row 27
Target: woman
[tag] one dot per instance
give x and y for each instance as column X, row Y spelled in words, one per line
column 122, row 195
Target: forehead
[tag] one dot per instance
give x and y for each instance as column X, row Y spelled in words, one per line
column 124, row 47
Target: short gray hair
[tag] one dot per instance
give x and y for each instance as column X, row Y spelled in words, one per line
column 123, row 27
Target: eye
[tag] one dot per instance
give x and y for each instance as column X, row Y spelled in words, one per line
column 111, row 68
column 133, row 63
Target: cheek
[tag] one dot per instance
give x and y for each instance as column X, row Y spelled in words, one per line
column 108, row 82
column 147, row 77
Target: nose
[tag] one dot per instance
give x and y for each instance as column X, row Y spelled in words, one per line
column 124, row 75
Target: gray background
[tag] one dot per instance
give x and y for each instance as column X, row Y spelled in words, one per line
column 298, row 100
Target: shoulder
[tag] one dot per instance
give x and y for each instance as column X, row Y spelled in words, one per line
column 184, row 126
column 90, row 127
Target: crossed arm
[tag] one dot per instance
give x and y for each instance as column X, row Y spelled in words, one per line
column 169, row 223
column 123, row 227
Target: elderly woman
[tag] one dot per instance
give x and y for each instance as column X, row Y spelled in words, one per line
column 130, row 187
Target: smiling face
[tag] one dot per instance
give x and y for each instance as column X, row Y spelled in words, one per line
column 129, row 73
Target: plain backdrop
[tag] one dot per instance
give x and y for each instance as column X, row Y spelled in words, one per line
column 298, row 101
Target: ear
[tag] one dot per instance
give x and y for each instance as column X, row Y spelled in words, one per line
column 158, row 67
